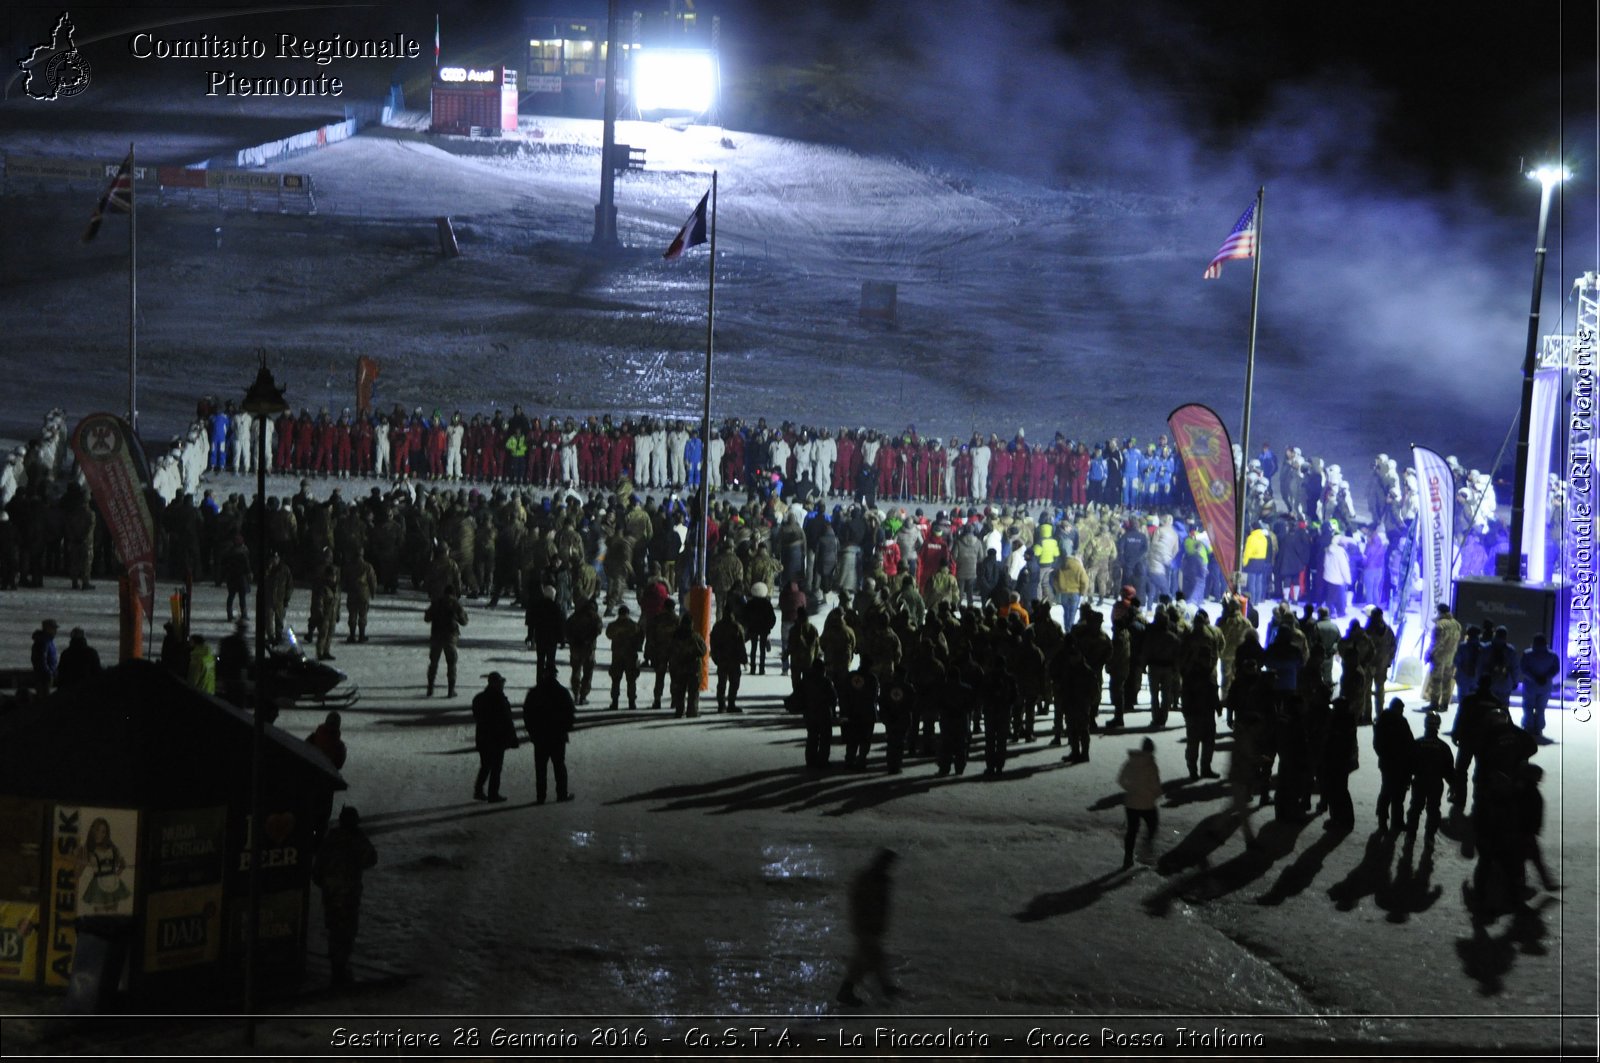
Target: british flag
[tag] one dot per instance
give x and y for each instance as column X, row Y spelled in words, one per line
column 118, row 196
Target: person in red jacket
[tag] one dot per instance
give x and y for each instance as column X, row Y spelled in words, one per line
column 364, row 443
column 286, row 430
column 1079, row 464
column 733, row 461
column 305, row 437
column 435, row 441
column 999, row 470
column 617, row 457
column 963, row 460
column 552, row 455
column 493, row 466
column 343, row 445
column 932, row 557
column 416, row 437
column 890, row 480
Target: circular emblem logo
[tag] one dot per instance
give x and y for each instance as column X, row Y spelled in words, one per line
column 68, row 74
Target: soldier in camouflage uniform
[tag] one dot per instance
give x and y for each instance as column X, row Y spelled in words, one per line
column 627, row 639
column 685, row 653
column 583, row 632
column 360, row 587
column 325, row 605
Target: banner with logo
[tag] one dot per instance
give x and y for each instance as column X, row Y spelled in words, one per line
column 114, row 465
column 94, row 873
column 22, row 886
column 1207, row 455
column 1436, row 526
column 1547, row 392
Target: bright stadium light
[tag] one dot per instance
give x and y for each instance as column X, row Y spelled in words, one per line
column 679, row 80
column 1549, row 176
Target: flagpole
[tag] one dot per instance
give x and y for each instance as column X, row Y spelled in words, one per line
column 1239, row 476
column 133, row 299
column 705, row 417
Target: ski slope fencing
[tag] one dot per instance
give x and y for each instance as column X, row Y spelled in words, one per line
column 261, row 154
column 165, row 186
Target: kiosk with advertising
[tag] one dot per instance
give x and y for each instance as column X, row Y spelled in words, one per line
column 470, row 101
column 124, row 840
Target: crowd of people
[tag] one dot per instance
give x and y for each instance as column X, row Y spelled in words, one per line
column 941, row 638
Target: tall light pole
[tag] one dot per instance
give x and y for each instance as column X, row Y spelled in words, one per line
column 605, row 212
column 263, row 400
column 1548, row 177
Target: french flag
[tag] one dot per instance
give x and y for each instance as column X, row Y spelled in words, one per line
column 693, row 231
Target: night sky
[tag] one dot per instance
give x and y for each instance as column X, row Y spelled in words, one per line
column 1453, row 95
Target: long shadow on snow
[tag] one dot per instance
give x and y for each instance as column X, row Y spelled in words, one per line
column 1298, row 876
column 469, row 810
column 1370, row 876
column 1077, row 898
column 891, row 787
column 688, row 790
column 1410, row 891
column 1275, row 841
column 1485, row 958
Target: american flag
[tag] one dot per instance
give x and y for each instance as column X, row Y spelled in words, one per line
column 118, row 196
column 1241, row 243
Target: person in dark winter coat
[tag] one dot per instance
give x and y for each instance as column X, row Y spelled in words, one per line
column 729, row 655
column 1394, row 745
column 45, row 658
column 757, row 618
column 234, row 563
column 686, row 656
column 999, row 698
column 1383, row 651
column 1340, row 756
column 1431, row 766
column 897, row 698
column 817, row 702
column 494, row 733
column 1075, row 687
column 79, row 661
column 858, row 707
column 1498, row 667
column 989, row 577
column 1197, row 664
column 869, row 920
column 342, row 857
column 582, row 635
column 1539, row 668
column 546, row 626
column 549, row 714
column 954, row 697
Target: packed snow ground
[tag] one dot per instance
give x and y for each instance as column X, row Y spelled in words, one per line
column 701, row 871
column 1003, row 322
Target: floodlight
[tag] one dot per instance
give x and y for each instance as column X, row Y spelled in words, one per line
column 1549, row 176
column 682, row 80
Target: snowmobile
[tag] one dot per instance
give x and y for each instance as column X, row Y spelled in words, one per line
column 295, row 677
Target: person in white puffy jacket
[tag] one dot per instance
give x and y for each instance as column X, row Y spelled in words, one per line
column 1140, row 780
